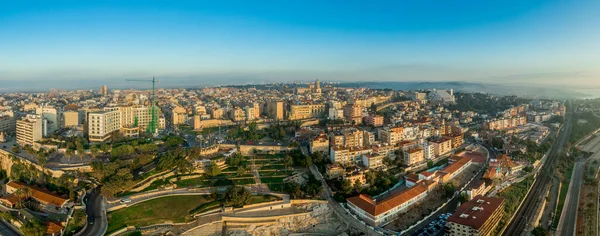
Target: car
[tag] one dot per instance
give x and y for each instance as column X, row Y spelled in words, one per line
column 125, row 200
column 90, row 220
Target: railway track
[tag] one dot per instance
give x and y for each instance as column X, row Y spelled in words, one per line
column 526, row 212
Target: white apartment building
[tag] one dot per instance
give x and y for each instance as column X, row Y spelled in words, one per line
column 129, row 119
column 101, row 124
column 29, row 129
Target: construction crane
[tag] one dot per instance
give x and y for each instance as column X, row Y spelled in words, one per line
column 152, row 125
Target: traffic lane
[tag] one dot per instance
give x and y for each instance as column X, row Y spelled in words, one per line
column 570, row 216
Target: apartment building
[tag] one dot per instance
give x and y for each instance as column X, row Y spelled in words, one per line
column 374, row 120
column 216, row 113
column 347, row 155
column 457, row 140
column 353, row 113
column 101, row 124
column 237, row 114
column 29, row 129
column 414, row 156
column 372, row 160
column 476, row 217
column 442, row 146
column 392, row 135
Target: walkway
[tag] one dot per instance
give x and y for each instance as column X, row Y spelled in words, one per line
column 341, row 211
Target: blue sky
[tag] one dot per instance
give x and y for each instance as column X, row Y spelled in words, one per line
column 533, row 41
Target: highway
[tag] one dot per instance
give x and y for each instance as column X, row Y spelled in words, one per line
column 524, row 215
column 568, row 216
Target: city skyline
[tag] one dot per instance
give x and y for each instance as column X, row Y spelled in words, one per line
column 536, row 42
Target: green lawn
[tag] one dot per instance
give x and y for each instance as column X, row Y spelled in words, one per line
column 167, row 209
column 269, row 180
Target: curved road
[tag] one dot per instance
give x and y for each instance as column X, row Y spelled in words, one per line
column 97, row 221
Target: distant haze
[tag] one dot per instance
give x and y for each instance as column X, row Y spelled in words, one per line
column 77, row 44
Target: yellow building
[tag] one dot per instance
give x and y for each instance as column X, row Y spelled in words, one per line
column 70, row 118
column 275, row 110
column 320, row 143
column 442, row 146
column 299, row 112
column 414, row 156
column 179, row 115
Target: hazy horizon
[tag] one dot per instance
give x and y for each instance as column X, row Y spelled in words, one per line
column 551, row 43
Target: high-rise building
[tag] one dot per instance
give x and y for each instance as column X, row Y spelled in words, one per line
column 29, row 129
column 104, row 90
column 275, row 110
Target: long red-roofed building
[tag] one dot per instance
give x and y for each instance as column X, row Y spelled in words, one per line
column 376, row 212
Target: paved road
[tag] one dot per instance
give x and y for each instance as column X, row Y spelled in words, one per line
column 97, row 221
column 568, row 217
column 340, row 211
column 525, row 214
column 5, row 230
column 453, row 203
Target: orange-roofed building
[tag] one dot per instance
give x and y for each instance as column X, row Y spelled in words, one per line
column 53, row 228
column 376, row 212
column 455, row 168
column 476, row 217
column 47, row 201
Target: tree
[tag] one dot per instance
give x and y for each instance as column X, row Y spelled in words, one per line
column 15, row 149
column 241, row 171
column 33, row 228
column 308, row 161
column 539, row 231
column 94, row 151
column 237, row 196
column 449, row 189
column 213, row 169
column 288, row 161
column 347, row 187
column 80, row 150
column 104, row 147
column 388, row 161
column 357, row 186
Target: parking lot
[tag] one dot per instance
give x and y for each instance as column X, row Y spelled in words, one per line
column 435, row 227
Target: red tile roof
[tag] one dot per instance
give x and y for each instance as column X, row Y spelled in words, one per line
column 375, row 208
column 40, row 195
column 456, row 165
column 475, row 218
